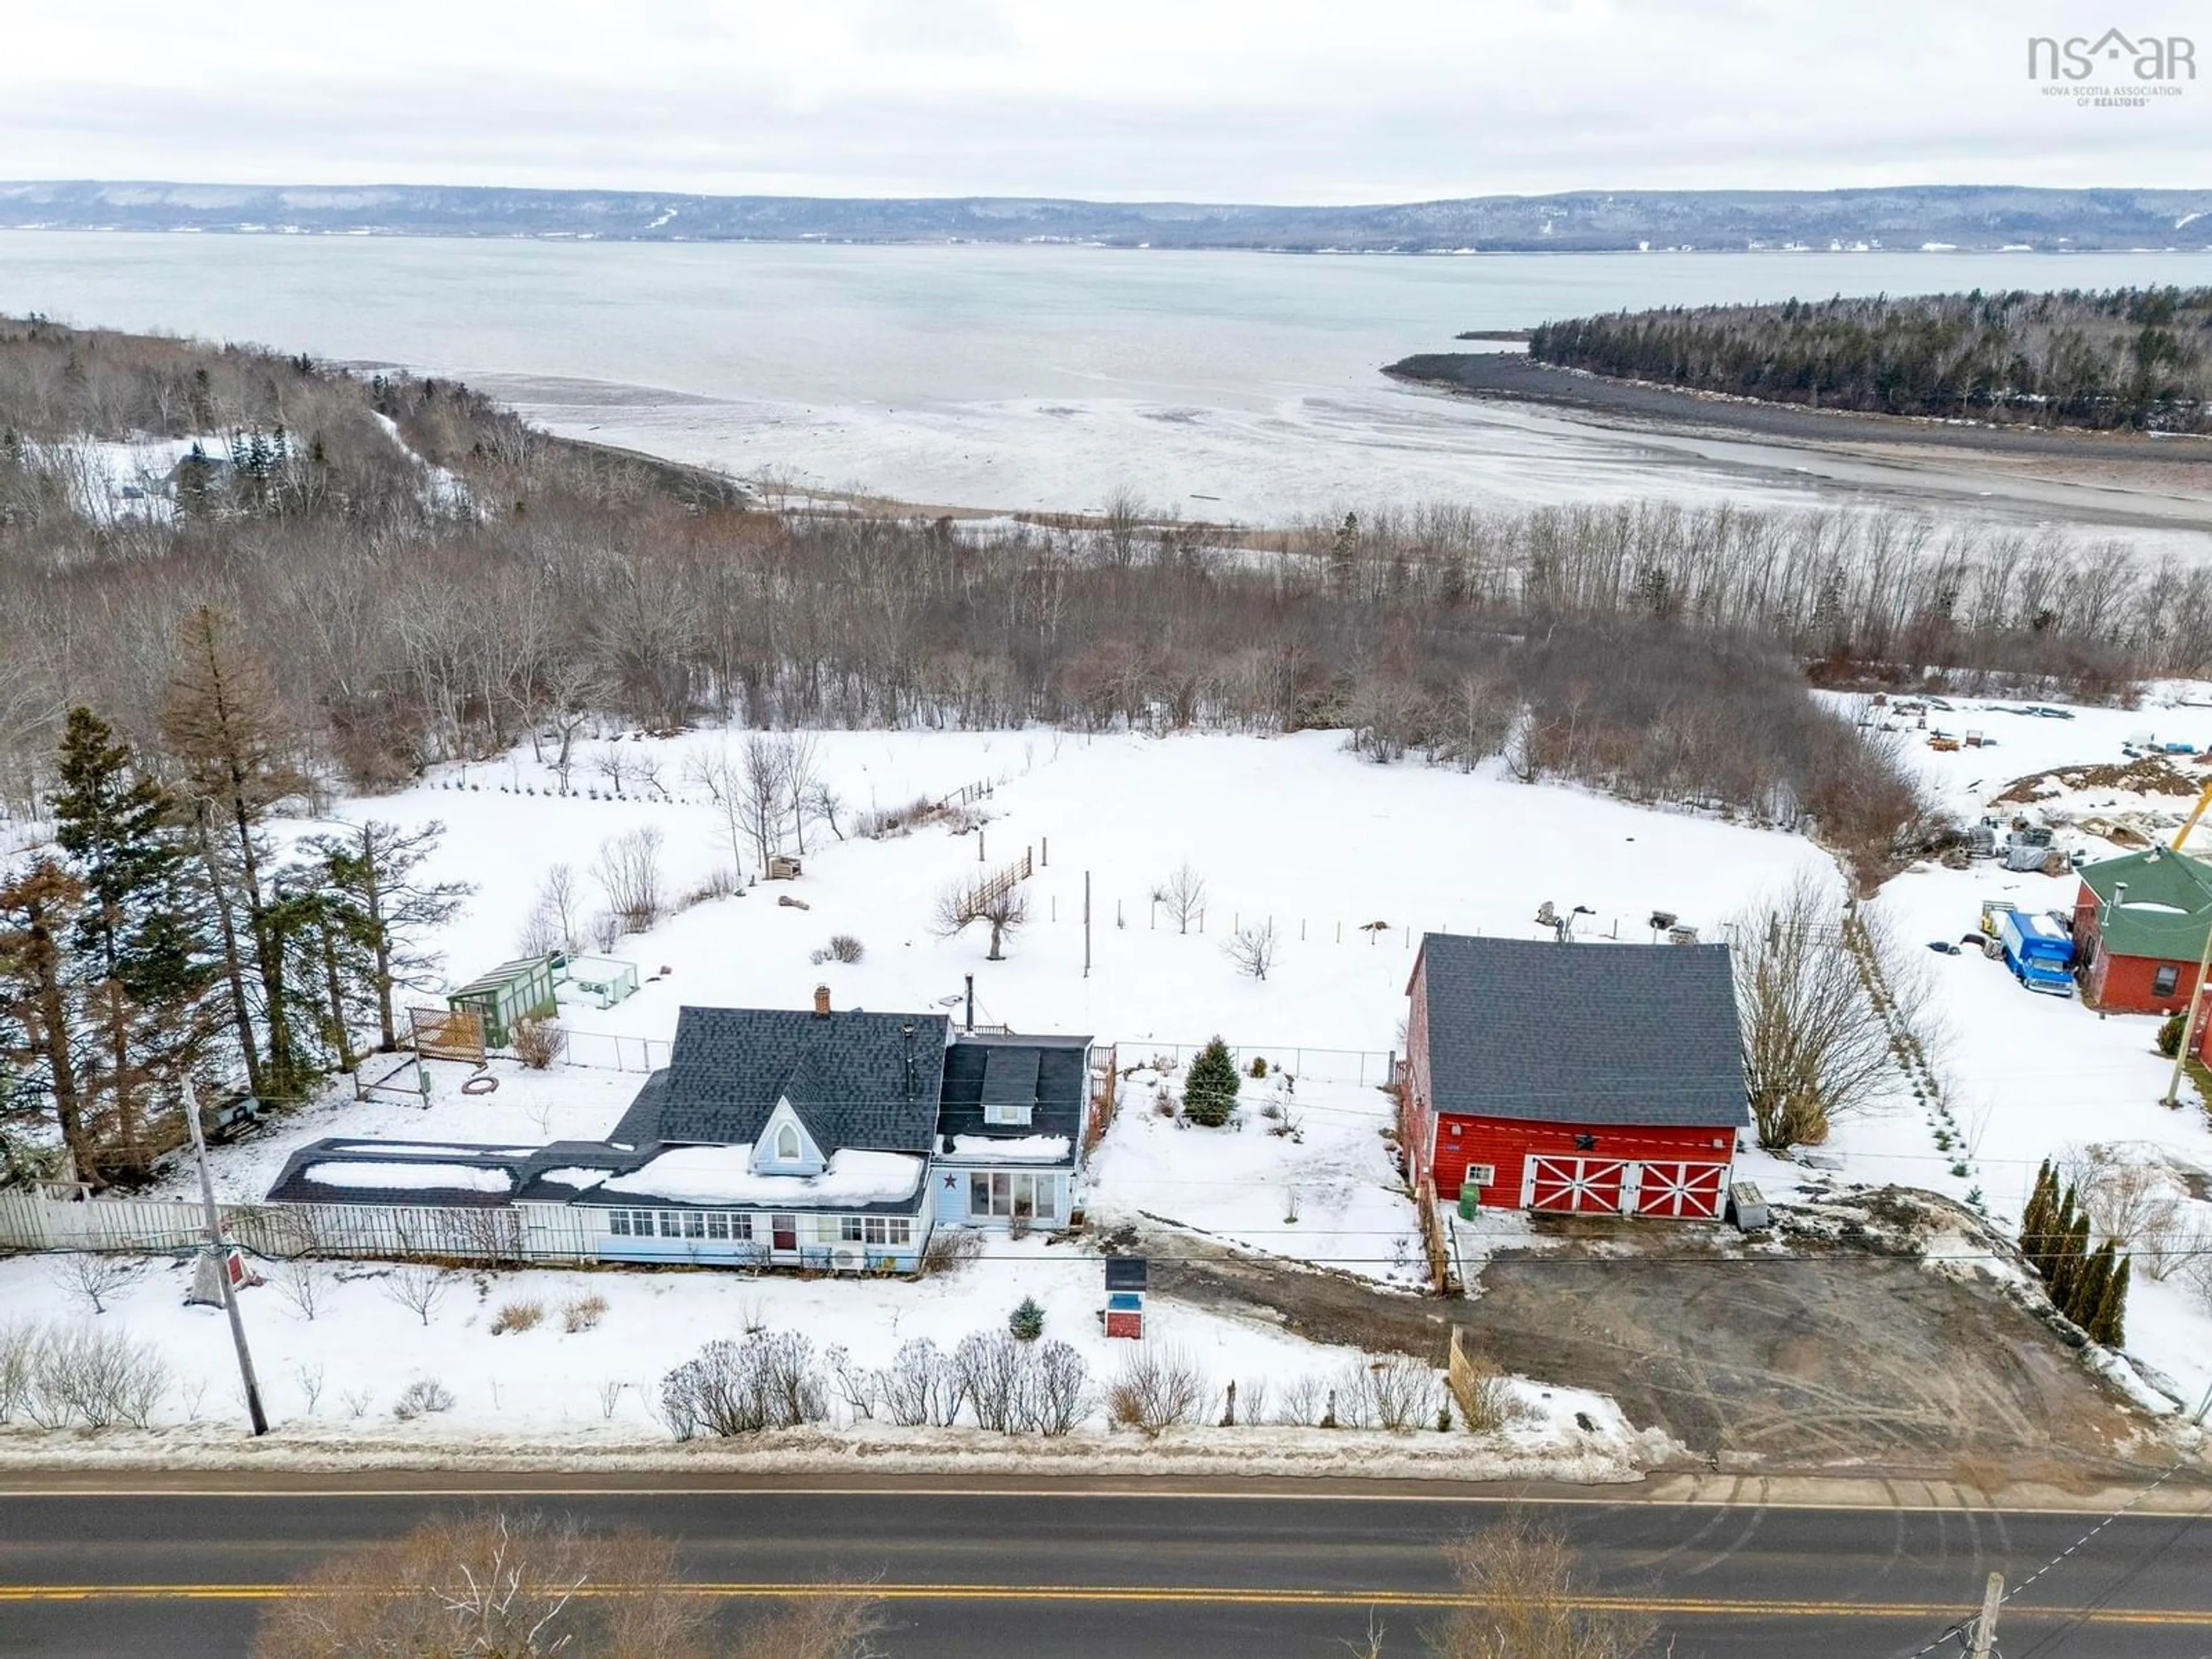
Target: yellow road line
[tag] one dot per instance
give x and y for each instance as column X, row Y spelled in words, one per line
column 1197, row 1594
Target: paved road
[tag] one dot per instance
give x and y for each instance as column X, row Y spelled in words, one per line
column 1225, row 1571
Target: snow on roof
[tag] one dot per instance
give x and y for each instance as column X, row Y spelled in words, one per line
column 575, row 1175
column 1014, row 1149
column 412, row 1178
column 724, row 1175
column 429, row 1149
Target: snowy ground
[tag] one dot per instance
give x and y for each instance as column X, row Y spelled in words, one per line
column 2027, row 1076
column 330, row 1383
column 1293, row 828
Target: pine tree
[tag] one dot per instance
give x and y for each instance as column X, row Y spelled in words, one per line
column 2109, row 1327
column 1026, row 1322
column 389, row 912
column 1209, row 1093
column 143, row 929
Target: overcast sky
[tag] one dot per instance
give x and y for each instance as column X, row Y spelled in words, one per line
column 1294, row 101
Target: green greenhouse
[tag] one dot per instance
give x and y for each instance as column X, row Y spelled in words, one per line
column 521, row 989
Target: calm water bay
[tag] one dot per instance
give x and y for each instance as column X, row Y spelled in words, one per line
column 1218, row 385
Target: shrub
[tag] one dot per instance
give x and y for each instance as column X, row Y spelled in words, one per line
column 2169, row 1035
column 59, row 1376
column 994, row 1374
column 1156, row 1389
column 844, row 947
column 1027, row 1321
column 1485, row 1397
column 1209, row 1092
column 519, row 1316
column 424, row 1395
column 583, row 1313
column 1259, row 1065
column 1060, row 1389
column 949, row 1249
column 769, row 1381
column 919, row 1387
column 538, row 1042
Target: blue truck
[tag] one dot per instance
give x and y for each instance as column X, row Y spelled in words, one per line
column 2039, row 949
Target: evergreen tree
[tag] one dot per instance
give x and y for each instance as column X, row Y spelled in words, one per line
column 223, row 724
column 2072, row 1258
column 2087, row 1295
column 1026, row 1322
column 2109, row 1327
column 40, row 1017
column 1209, row 1093
column 387, row 909
column 2035, row 1219
column 143, row 931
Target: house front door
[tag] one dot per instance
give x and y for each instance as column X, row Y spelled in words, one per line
column 783, row 1232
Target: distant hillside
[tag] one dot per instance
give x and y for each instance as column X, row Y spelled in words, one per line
column 2132, row 358
column 1963, row 217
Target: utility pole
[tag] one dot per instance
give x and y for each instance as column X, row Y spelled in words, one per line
column 1086, row 924
column 2189, row 1025
column 1986, row 1627
column 222, row 1263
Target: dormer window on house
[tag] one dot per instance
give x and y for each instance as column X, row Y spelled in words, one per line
column 786, row 1144
column 1010, row 1087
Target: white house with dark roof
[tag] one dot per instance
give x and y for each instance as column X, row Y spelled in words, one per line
column 815, row 1138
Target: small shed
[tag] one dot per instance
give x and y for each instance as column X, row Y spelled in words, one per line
column 521, row 989
column 602, row 979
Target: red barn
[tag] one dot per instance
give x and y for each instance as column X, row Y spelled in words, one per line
column 1591, row 1078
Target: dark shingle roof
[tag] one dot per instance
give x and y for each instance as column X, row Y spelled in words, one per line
column 1047, row 1071
column 855, row 1079
column 1631, row 1034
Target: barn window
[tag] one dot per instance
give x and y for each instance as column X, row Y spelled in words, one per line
column 2162, row 982
column 1481, row 1175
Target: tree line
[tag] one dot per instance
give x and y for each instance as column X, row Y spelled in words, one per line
column 2124, row 358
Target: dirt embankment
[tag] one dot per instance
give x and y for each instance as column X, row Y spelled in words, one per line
column 1833, row 1359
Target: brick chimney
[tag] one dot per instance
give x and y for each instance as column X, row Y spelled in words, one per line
column 821, row 1002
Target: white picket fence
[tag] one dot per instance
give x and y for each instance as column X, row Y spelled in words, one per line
column 58, row 1218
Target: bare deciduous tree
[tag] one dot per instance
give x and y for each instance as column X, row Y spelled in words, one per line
column 628, row 870
column 91, row 1279
column 1815, row 1045
column 1183, row 894
column 1254, row 948
column 419, row 1288
column 557, row 921
column 1006, row 911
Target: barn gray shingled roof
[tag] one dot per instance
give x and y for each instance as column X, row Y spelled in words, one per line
column 1590, row 1033
column 857, row 1079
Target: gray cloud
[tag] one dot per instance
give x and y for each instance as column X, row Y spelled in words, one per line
column 1295, row 102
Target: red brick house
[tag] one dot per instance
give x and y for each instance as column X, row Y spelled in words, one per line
column 1591, row 1078
column 2139, row 926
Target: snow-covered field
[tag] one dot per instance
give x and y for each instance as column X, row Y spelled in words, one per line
column 1294, row 830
